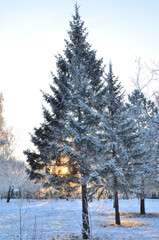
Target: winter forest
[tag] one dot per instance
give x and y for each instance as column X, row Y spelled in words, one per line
column 97, row 148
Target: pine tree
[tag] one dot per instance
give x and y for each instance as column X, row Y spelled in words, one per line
column 119, row 144
column 145, row 115
column 66, row 136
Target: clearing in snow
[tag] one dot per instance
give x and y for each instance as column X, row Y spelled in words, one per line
column 61, row 219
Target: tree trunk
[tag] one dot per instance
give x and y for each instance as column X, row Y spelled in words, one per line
column 142, row 199
column 20, row 193
column 116, row 202
column 142, row 206
column 116, row 206
column 10, row 193
column 85, row 217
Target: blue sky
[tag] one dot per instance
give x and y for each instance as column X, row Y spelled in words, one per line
column 32, row 32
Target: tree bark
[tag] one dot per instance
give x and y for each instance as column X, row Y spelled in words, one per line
column 20, row 193
column 142, row 199
column 85, row 217
column 10, row 193
column 116, row 203
column 116, row 206
column 142, row 206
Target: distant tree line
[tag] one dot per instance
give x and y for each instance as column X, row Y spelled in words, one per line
column 14, row 181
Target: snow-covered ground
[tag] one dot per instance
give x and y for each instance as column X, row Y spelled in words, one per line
column 53, row 219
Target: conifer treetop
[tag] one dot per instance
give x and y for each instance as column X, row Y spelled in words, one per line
column 77, row 32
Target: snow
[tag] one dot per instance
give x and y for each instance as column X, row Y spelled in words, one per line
column 47, row 219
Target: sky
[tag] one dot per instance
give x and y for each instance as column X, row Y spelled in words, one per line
column 32, row 32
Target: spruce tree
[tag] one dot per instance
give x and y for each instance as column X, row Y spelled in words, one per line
column 119, row 141
column 67, row 134
column 145, row 114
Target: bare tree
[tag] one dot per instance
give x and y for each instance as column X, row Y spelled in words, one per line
column 157, row 99
column 146, row 77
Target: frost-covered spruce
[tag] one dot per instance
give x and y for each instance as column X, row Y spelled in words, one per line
column 120, row 144
column 49, row 137
column 145, row 114
column 66, row 137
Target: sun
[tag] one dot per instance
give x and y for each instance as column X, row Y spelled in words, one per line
column 64, row 170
